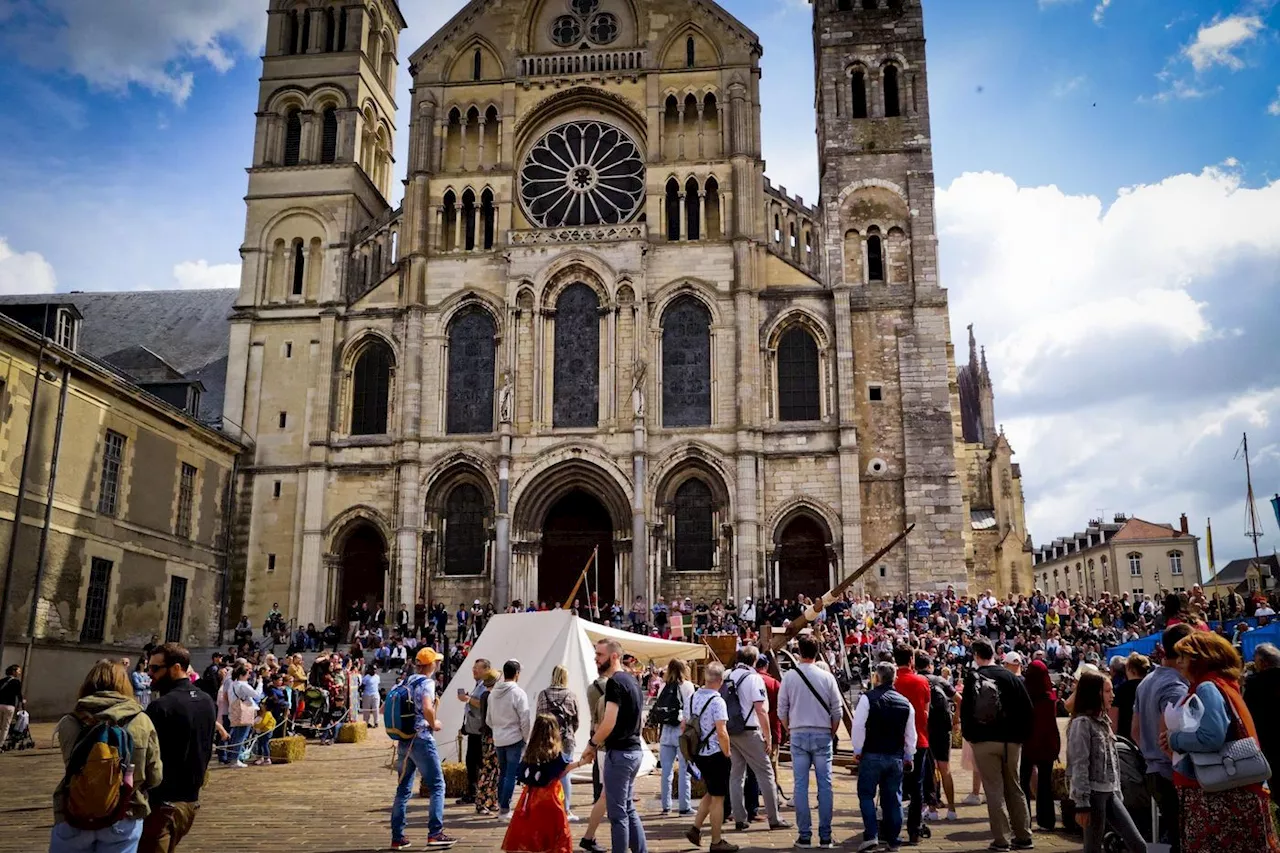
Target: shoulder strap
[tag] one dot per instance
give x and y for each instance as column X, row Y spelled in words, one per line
column 805, row 679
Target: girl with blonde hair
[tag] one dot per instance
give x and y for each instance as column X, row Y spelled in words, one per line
column 562, row 705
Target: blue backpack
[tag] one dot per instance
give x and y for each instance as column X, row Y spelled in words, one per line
column 98, row 786
column 399, row 715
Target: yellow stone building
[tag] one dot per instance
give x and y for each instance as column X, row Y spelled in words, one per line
column 594, row 326
column 122, row 491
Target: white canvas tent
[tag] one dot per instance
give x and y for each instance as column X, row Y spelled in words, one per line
column 540, row 641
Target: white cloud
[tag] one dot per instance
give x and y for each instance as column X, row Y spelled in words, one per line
column 1100, row 11
column 25, row 272
column 1066, row 87
column 1274, row 106
column 1130, row 342
column 1217, row 43
column 156, row 45
column 193, row 275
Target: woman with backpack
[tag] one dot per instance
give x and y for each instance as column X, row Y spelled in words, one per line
column 112, row 757
column 666, row 714
column 557, row 701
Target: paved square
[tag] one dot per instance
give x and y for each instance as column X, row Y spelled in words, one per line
column 338, row 800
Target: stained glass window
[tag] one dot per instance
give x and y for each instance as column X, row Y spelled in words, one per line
column 798, row 398
column 603, row 28
column 582, row 173
column 576, row 394
column 694, row 534
column 472, row 351
column 686, row 364
column 464, row 531
column 566, row 30
column 370, row 390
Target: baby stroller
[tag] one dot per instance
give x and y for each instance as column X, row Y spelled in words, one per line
column 312, row 712
column 19, row 734
column 1133, row 791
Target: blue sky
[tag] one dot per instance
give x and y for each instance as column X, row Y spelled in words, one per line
column 1108, row 212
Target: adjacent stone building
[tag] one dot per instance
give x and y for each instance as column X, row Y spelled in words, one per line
column 1126, row 554
column 123, row 494
column 997, row 546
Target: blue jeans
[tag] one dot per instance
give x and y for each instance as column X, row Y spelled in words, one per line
column 418, row 755
column 812, row 749
column 620, row 770
column 239, row 734
column 121, row 837
column 567, row 786
column 669, row 755
column 883, row 773
column 263, row 747
column 508, row 770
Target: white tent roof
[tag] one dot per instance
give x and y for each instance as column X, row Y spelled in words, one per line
column 540, row 641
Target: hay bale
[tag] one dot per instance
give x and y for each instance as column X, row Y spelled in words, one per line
column 455, row 779
column 697, row 789
column 957, row 740
column 288, row 750
column 353, row 732
column 1060, row 792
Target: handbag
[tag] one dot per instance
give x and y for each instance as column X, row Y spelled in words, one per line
column 1236, row 764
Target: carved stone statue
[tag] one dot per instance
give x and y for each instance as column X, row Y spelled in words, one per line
column 504, row 398
column 637, row 387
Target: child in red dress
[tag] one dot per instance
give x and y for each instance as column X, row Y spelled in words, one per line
column 538, row 822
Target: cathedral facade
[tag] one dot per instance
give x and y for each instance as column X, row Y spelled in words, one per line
column 594, row 334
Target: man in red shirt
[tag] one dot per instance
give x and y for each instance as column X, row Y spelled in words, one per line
column 751, row 790
column 916, row 689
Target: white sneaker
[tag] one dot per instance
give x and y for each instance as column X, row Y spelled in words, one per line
column 505, row 816
column 868, row 844
column 972, row 800
column 951, row 814
column 573, row 818
column 239, row 764
column 930, row 814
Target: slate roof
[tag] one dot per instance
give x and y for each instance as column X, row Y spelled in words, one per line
column 188, row 329
column 1135, row 529
column 1236, row 571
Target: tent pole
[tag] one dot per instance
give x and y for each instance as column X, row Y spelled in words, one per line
column 581, row 578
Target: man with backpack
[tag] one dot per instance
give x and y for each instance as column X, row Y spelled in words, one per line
column 749, row 738
column 415, row 699
column 185, row 720
column 995, row 717
column 809, row 706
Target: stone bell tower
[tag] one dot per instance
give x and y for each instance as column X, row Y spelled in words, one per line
column 877, row 200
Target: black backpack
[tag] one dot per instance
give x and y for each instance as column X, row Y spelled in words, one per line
column 737, row 722
column 666, row 710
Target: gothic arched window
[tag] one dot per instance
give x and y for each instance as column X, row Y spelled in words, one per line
column 858, row 85
column 464, row 531
column 469, row 219
column 673, row 210
column 798, row 385
column 329, row 137
column 875, row 258
column 576, row 392
column 487, row 217
column 299, row 268
column 686, row 364
column 330, row 31
column 472, row 356
column 695, row 527
column 892, row 98
column 477, row 65
column 371, row 390
column 292, row 137
column 690, row 54
column 692, row 210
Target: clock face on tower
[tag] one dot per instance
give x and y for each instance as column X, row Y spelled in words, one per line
column 582, row 173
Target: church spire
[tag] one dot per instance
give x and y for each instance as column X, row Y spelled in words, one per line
column 973, row 352
column 985, row 374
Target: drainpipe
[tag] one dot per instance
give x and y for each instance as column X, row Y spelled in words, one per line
column 229, row 508
column 22, row 490
column 48, row 518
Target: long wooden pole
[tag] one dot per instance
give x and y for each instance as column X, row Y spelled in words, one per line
column 595, row 555
column 797, row 625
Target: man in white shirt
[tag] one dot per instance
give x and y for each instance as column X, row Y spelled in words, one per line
column 809, row 707
column 884, row 737
column 750, row 747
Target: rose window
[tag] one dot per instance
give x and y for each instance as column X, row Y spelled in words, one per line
column 601, row 28
column 582, row 173
column 566, row 30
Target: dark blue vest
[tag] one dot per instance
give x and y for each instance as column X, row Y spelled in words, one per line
column 888, row 712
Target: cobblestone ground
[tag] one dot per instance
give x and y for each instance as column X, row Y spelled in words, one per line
column 338, row 799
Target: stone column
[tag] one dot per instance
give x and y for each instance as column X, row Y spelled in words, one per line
column 684, row 219
column 639, row 529
column 502, row 524
column 480, row 139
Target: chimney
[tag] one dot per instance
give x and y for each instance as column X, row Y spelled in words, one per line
column 1183, row 524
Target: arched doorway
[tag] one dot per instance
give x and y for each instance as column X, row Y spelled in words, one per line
column 575, row 525
column 802, row 558
column 364, row 567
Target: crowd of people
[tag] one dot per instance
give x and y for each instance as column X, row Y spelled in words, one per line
column 994, row 674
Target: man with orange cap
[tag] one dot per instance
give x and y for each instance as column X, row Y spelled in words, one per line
column 420, row 755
